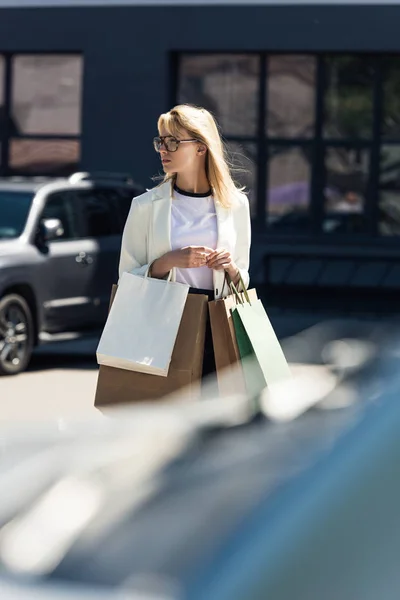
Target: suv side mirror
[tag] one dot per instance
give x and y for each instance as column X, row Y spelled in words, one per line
column 51, row 229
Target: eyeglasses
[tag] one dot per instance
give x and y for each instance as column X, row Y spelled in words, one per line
column 171, row 144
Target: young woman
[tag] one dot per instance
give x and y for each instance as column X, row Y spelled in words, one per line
column 195, row 226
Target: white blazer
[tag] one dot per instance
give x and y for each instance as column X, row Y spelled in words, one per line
column 147, row 234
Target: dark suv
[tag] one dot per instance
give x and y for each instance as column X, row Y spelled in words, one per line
column 59, row 252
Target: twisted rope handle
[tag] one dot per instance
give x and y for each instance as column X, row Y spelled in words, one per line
column 235, row 291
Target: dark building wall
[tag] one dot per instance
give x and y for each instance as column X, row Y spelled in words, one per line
column 127, row 78
column 128, row 81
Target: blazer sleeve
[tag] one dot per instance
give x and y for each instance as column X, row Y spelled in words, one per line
column 243, row 238
column 133, row 256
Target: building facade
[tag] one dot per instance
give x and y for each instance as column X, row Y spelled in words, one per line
column 307, row 96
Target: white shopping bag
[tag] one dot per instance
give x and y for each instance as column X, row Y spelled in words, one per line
column 142, row 325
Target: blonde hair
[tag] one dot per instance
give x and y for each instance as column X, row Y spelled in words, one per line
column 201, row 125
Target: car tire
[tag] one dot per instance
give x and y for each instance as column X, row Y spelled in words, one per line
column 16, row 335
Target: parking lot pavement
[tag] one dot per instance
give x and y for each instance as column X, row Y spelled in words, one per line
column 60, row 383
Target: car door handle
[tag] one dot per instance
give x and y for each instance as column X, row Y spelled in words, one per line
column 83, row 259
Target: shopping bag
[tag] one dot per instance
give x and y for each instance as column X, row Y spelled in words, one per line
column 142, row 325
column 263, row 361
column 226, row 351
column 119, row 386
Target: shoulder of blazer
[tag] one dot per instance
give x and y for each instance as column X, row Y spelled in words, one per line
column 240, row 200
column 157, row 193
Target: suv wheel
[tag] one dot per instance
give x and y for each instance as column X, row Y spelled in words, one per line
column 16, row 335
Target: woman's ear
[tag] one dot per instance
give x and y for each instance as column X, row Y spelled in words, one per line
column 201, row 149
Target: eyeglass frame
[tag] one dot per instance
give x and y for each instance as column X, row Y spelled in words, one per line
column 162, row 139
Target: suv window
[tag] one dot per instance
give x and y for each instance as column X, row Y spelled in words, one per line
column 99, row 212
column 14, row 210
column 120, row 201
column 62, row 206
column 124, row 197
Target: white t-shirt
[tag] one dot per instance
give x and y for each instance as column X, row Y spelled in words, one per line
column 194, row 223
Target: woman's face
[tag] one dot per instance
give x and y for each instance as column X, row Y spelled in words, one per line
column 185, row 159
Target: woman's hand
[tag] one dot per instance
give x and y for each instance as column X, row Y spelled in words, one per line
column 221, row 260
column 188, row 257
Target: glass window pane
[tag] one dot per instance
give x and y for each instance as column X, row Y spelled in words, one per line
column 14, row 211
column 289, row 182
column 122, row 198
column 46, row 94
column 2, row 115
column 389, row 194
column 243, row 159
column 346, row 180
column 225, row 84
column 348, row 97
column 391, row 97
column 62, row 206
column 291, row 96
column 99, row 210
column 44, row 157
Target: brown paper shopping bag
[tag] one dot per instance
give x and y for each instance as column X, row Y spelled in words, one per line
column 226, row 351
column 119, row 386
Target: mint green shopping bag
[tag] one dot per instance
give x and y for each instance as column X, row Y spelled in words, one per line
column 262, row 357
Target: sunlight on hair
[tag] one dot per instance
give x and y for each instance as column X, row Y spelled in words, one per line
column 201, row 125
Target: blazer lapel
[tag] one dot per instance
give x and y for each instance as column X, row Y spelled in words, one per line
column 223, row 224
column 225, row 230
column 160, row 242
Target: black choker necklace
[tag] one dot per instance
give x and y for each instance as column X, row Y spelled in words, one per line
column 192, row 194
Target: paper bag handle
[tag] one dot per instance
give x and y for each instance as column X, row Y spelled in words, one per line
column 148, row 274
column 234, row 289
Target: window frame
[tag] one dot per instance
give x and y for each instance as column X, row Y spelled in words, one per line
column 319, row 143
column 7, row 135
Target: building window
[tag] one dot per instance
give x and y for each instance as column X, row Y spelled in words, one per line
column 345, row 191
column 317, row 136
column 348, row 97
column 227, row 85
column 40, row 114
column 2, row 113
column 289, row 188
column 290, row 98
column 389, row 192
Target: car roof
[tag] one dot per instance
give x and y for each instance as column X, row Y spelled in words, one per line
column 19, row 184
column 78, row 179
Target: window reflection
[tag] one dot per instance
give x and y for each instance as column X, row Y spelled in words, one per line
column 389, row 196
column 391, row 98
column 99, row 209
column 2, row 115
column 44, row 157
column 291, row 96
column 225, row 84
column 348, row 97
column 289, row 177
column 389, row 213
column 46, row 94
column 62, row 206
column 2, row 76
column 228, row 85
column 346, row 171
